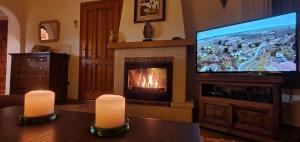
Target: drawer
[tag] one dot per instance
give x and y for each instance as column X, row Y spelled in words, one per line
column 35, row 60
column 33, row 67
column 217, row 113
column 42, row 59
column 35, row 70
column 29, row 59
column 38, row 81
column 254, row 120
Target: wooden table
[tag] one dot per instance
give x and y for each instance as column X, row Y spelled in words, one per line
column 74, row 127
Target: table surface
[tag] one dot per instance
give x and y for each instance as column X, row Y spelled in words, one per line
column 74, row 127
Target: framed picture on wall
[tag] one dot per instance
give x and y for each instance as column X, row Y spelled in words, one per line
column 149, row 10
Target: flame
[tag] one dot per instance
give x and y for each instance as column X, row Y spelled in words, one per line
column 144, row 82
column 148, row 81
column 156, row 84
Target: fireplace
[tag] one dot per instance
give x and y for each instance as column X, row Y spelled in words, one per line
column 148, row 79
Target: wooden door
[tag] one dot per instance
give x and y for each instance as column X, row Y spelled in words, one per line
column 96, row 61
column 3, row 54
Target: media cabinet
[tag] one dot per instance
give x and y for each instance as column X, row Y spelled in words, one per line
column 243, row 105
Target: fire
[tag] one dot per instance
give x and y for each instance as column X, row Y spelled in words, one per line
column 148, row 81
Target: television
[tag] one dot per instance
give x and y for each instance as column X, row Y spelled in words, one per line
column 264, row 45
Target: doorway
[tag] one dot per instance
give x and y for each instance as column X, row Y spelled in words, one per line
column 98, row 18
column 3, row 54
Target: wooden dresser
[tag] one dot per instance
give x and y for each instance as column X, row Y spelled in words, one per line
column 32, row 71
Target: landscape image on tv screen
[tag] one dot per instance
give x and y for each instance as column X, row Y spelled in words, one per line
column 262, row 45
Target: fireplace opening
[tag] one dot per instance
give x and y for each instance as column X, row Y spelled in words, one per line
column 148, row 81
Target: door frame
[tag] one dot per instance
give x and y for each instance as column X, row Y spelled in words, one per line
column 6, row 46
column 82, row 45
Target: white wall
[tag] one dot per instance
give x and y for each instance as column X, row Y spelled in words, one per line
column 205, row 14
column 164, row 30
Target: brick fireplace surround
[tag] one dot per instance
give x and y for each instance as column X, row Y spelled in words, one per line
column 179, row 109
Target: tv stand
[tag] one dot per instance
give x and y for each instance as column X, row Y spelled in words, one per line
column 244, row 105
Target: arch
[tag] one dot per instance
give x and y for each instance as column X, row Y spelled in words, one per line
column 13, row 41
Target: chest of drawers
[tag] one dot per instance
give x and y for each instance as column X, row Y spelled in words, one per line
column 32, row 71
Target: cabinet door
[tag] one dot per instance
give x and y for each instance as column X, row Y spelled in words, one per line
column 217, row 113
column 254, row 120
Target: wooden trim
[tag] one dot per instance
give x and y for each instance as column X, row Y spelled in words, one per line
column 152, row 44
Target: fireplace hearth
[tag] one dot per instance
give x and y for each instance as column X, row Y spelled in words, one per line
column 148, row 79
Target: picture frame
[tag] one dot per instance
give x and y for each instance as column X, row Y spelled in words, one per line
column 149, row 10
column 49, row 31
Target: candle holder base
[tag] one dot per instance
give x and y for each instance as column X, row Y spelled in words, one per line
column 110, row 132
column 37, row 120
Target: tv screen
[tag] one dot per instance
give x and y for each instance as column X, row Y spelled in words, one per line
column 265, row 45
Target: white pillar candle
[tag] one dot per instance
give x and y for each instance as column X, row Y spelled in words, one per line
column 39, row 103
column 110, row 111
